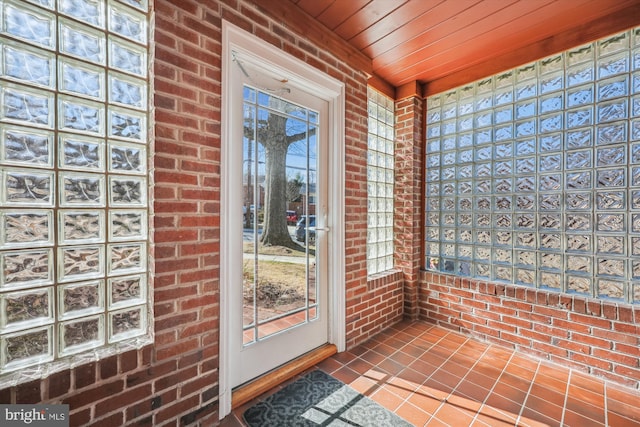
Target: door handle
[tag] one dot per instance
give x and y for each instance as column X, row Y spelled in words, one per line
column 322, row 229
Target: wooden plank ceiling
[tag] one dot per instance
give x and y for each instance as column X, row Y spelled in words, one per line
column 440, row 43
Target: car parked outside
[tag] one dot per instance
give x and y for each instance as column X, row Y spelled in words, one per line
column 292, row 217
column 301, row 228
column 244, row 212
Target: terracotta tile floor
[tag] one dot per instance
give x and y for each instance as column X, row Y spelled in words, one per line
column 431, row 376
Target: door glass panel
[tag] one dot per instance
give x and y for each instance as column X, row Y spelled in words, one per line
column 279, row 215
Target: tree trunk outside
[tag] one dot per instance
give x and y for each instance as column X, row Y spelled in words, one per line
column 275, row 231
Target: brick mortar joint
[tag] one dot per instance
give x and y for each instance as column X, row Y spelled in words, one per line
column 603, row 309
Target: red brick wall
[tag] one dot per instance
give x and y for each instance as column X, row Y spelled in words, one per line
column 408, row 197
column 373, row 303
column 591, row 335
column 377, row 308
column 175, row 381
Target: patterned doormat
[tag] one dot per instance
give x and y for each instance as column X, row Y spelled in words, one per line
column 318, row 399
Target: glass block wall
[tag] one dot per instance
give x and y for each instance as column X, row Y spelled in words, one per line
column 74, row 178
column 533, row 175
column 380, row 167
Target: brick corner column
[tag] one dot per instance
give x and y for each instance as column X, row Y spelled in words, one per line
column 408, row 193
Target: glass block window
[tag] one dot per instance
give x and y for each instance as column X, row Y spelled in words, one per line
column 74, row 90
column 380, row 177
column 533, row 175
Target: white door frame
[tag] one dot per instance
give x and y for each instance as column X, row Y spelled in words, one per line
column 329, row 89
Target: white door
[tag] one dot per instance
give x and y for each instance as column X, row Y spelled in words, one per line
column 279, row 161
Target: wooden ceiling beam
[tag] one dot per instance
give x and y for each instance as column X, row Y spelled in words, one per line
column 620, row 20
column 409, row 90
column 382, row 86
column 289, row 15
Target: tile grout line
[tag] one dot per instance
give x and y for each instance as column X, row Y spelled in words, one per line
column 605, row 388
column 475, row 418
column 524, row 402
column 453, row 389
column 496, row 382
column 566, row 398
column 442, row 402
column 605, row 404
column 404, row 400
column 442, row 338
